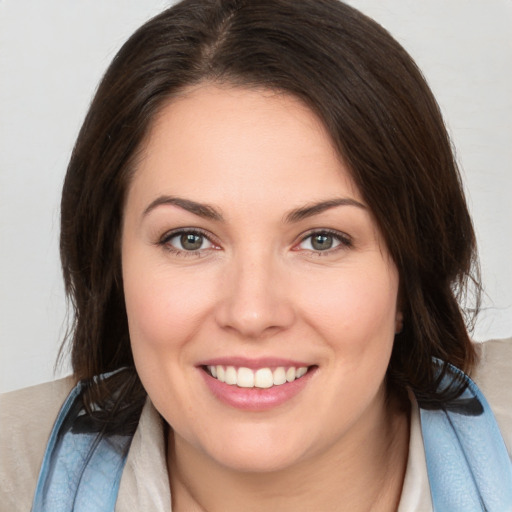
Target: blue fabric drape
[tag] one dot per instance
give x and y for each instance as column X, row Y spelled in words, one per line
column 469, row 469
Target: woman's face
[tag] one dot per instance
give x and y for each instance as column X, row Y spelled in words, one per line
column 249, row 254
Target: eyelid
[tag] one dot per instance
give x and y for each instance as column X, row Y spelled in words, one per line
column 169, row 235
column 345, row 241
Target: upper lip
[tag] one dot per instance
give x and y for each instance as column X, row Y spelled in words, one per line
column 254, row 364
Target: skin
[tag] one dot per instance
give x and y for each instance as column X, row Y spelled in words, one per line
column 257, row 287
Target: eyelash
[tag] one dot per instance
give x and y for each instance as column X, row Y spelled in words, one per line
column 164, row 241
column 344, row 241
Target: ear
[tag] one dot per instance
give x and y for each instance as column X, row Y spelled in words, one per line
column 399, row 322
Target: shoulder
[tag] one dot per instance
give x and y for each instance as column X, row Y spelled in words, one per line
column 26, row 420
column 493, row 375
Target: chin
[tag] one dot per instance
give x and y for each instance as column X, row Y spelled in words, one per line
column 263, row 460
column 257, row 452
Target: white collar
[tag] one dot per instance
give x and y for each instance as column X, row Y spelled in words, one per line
column 416, row 490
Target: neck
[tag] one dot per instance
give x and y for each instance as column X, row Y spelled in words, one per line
column 362, row 472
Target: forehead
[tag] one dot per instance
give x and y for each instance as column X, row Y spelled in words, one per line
column 218, row 144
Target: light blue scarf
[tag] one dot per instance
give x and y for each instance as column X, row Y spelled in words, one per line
column 469, row 469
column 468, row 465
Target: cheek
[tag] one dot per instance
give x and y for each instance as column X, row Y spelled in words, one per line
column 357, row 304
column 355, row 318
column 164, row 311
column 373, row 303
column 164, row 308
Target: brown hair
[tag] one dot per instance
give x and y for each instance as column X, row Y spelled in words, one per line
column 379, row 112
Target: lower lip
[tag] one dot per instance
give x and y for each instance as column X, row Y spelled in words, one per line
column 256, row 399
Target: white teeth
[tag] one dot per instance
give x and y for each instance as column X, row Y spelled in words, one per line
column 245, row 378
column 301, row 371
column 279, row 376
column 262, row 378
column 230, row 375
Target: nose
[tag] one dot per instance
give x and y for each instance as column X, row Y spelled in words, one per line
column 255, row 300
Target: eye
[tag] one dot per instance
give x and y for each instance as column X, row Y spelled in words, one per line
column 186, row 241
column 323, row 241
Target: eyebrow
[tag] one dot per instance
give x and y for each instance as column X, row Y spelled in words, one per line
column 316, row 208
column 209, row 212
column 202, row 210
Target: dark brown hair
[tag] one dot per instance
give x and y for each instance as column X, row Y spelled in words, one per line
column 379, row 112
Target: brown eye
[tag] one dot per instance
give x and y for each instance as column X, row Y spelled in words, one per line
column 322, row 242
column 186, row 241
column 191, row 241
column 325, row 241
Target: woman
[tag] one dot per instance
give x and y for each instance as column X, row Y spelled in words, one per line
column 264, row 237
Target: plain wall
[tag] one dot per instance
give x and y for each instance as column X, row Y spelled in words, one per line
column 52, row 55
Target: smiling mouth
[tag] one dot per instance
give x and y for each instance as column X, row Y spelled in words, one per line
column 262, row 378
